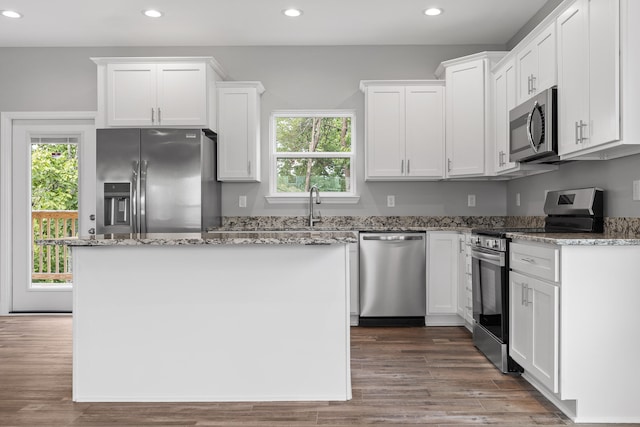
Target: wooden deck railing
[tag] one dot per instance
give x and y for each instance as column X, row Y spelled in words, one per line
column 52, row 262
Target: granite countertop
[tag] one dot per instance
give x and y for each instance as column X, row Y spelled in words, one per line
column 212, row 238
column 580, row 239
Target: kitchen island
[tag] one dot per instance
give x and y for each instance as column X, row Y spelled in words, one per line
column 220, row 316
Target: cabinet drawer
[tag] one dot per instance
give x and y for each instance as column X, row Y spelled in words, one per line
column 539, row 261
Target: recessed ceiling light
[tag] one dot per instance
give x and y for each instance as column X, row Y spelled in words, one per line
column 11, row 14
column 434, row 11
column 152, row 13
column 292, row 13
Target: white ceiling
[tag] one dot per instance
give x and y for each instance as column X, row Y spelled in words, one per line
column 261, row 23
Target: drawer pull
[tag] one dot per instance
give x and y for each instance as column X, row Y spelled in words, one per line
column 529, row 260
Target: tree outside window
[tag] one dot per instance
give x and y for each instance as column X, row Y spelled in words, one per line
column 313, row 148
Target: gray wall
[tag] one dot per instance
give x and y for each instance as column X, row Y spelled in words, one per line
column 614, row 176
column 55, row 79
column 545, row 10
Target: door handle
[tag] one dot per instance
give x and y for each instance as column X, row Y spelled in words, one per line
column 533, row 83
column 408, row 166
column 143, row 196
column 134, row 196
column 529, row 127
column 582, row 125
column 159, row 116
column 401, row 167
column 153, row 115
column 448, row 165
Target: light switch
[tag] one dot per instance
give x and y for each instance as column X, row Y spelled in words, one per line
column 517, row 199
column 471, row 200
column 636, row 190
column 242, row 201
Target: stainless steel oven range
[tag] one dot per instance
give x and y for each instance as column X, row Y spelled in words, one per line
column 579, row 210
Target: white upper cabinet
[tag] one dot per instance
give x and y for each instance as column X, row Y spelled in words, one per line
column 504, row 99
column 424, row 131
column 157, row 92
column 239, row 131
column 591, row 77
column 536, row 64
column 182, row 94
column 469, row 147
column 404, row 129
column 131, row 98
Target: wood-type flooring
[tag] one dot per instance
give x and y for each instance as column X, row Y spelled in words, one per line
column 417, row 376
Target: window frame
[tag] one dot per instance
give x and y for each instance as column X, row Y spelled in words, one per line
column 329, row 197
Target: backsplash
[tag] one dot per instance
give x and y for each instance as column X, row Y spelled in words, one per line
column 625, row 225
column 360, row 222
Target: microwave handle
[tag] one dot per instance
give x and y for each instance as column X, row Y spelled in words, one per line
column 529, row 131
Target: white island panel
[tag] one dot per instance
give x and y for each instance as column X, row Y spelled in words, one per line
column 211, row 323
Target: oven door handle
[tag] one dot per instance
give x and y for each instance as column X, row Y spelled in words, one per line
column 530, row 127
column 492, row 258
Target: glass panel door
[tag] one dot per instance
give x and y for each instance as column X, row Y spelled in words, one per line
column 53, row 169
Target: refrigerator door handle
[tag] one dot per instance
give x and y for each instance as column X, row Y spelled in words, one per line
column 134, row 196
column 143, row 196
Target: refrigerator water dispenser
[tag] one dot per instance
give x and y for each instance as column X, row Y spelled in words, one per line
column 117, row 203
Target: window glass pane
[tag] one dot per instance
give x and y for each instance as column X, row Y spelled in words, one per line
column 313, row 134
column 297, row 175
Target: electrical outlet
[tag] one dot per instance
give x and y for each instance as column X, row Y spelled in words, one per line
column 471, row 200
column 517, row 199
column 242, row 201
column 391, row 201
column 636, row 190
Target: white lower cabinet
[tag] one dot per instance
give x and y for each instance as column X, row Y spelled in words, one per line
column 443, row 270
column 533, row 329
column 573, row 309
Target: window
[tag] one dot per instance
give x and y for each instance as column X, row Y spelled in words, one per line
column 313, row 148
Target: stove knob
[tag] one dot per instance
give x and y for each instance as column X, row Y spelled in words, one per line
column 495, row 244
column 478, row 241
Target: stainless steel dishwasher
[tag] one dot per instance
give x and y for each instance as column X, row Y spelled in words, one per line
column 392, row 278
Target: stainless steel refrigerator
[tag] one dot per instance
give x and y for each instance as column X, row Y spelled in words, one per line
column 156, row 181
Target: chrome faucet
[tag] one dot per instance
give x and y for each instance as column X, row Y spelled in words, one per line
column 312, row 219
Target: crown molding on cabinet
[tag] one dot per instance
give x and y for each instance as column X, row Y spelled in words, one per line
column 163, row 59
column 243, row 84
column 492, row 56
column 364, row 84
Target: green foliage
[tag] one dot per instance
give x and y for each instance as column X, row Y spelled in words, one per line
column 54, row 187
column 313, row 135
column 54, row 177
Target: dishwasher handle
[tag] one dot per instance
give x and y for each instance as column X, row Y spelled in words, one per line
column 392, row 238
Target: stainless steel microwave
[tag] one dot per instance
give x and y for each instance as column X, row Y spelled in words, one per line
column 533, row 129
